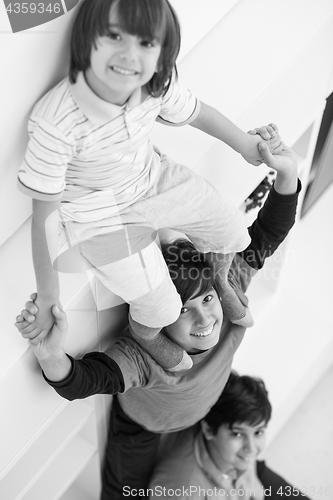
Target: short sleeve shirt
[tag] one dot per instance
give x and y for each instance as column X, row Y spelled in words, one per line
column 94, row 155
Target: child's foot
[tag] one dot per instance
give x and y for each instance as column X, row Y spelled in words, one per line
column 233, row 307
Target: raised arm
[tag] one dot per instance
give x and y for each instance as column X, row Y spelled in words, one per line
column 277, row 216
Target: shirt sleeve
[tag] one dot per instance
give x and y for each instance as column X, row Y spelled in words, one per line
column 132, row 361
column 42, row 173
column 95, row 373
column 179, row 105
column 272, row 225
column 274, row 221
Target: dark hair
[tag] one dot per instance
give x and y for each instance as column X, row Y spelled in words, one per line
column 243, row 400
column 148, row 19
column 189, row 270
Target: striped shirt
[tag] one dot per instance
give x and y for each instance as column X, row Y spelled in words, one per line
column 95, row 156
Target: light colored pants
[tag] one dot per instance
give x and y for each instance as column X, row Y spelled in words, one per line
column 127, row 259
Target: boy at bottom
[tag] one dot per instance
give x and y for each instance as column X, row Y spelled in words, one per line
column 151, row 401
column 218, row 457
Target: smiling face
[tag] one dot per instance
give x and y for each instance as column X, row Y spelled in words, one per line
column 237, row 447
column 199, row 324
column 120, row 62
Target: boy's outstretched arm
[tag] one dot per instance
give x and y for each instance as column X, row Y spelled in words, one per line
column 95, row 373
column 214, row 123
column 277, row 216
column 44, row 251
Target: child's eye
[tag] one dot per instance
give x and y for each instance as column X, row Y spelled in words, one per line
column 183, row 310
column 260, row 433
column 208, row 298
column 113, row 35
column 236, row 434
column 148, row 43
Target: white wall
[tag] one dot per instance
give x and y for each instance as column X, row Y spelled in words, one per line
column 32, row 62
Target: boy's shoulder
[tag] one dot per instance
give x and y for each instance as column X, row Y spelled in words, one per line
column 55, row 102
column 134, row 362
column 125, row 347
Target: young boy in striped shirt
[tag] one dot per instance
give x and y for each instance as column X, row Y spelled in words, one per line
column 92, row 170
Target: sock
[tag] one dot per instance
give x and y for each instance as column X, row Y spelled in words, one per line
column 232, row 307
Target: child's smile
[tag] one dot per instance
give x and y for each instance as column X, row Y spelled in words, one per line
column 204, row 333
column 121, row 63
column 123, row 71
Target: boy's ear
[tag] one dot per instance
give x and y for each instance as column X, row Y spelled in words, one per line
column 206, row 430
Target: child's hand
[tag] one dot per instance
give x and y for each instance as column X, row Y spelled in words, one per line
column 267, row 132
column 270, row 134
column 37, row 329
column 285, row 164
column 51, row 346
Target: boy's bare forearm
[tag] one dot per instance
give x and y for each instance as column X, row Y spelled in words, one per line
column 286, row 182
column 285, row 164
column 46, row 275
column 219, row 126
column 214, row 123
column 56, row 368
